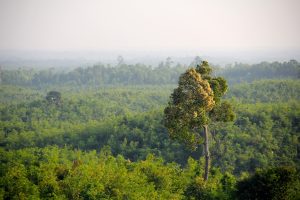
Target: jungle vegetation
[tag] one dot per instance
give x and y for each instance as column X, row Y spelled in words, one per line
column 99, row 133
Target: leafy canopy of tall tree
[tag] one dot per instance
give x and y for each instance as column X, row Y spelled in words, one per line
column 194, row 104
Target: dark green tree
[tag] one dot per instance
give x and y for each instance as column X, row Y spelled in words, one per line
column 193, row 105
column 280, row 183
column 54, row 97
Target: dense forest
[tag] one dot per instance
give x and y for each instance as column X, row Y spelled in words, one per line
column 98, row 133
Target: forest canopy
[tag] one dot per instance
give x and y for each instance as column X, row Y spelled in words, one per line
column 98, row 133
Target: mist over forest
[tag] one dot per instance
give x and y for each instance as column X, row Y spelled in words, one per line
column 65, row 60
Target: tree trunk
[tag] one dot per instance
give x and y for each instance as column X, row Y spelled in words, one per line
column 207, row 154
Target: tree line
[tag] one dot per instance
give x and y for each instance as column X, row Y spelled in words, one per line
column 140, row 74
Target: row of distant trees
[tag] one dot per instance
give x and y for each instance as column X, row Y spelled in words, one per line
column 140, row 74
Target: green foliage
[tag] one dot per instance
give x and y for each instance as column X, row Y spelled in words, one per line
column 60, row 173
column 222, row 112
column 264, row 134
column 219, row 86
column 204, row 69
column 240, row 73
column 265, row 91
column 61, row 152
column 277, row 183
column 219, row 186
column 16, row 185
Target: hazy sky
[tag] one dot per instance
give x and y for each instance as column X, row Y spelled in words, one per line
column 149, row 24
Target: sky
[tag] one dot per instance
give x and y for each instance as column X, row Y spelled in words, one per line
column 207, row 25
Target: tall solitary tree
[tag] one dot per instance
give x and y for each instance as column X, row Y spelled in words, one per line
column 193, row 105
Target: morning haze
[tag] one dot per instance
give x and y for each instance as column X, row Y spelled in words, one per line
column 226, row 31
